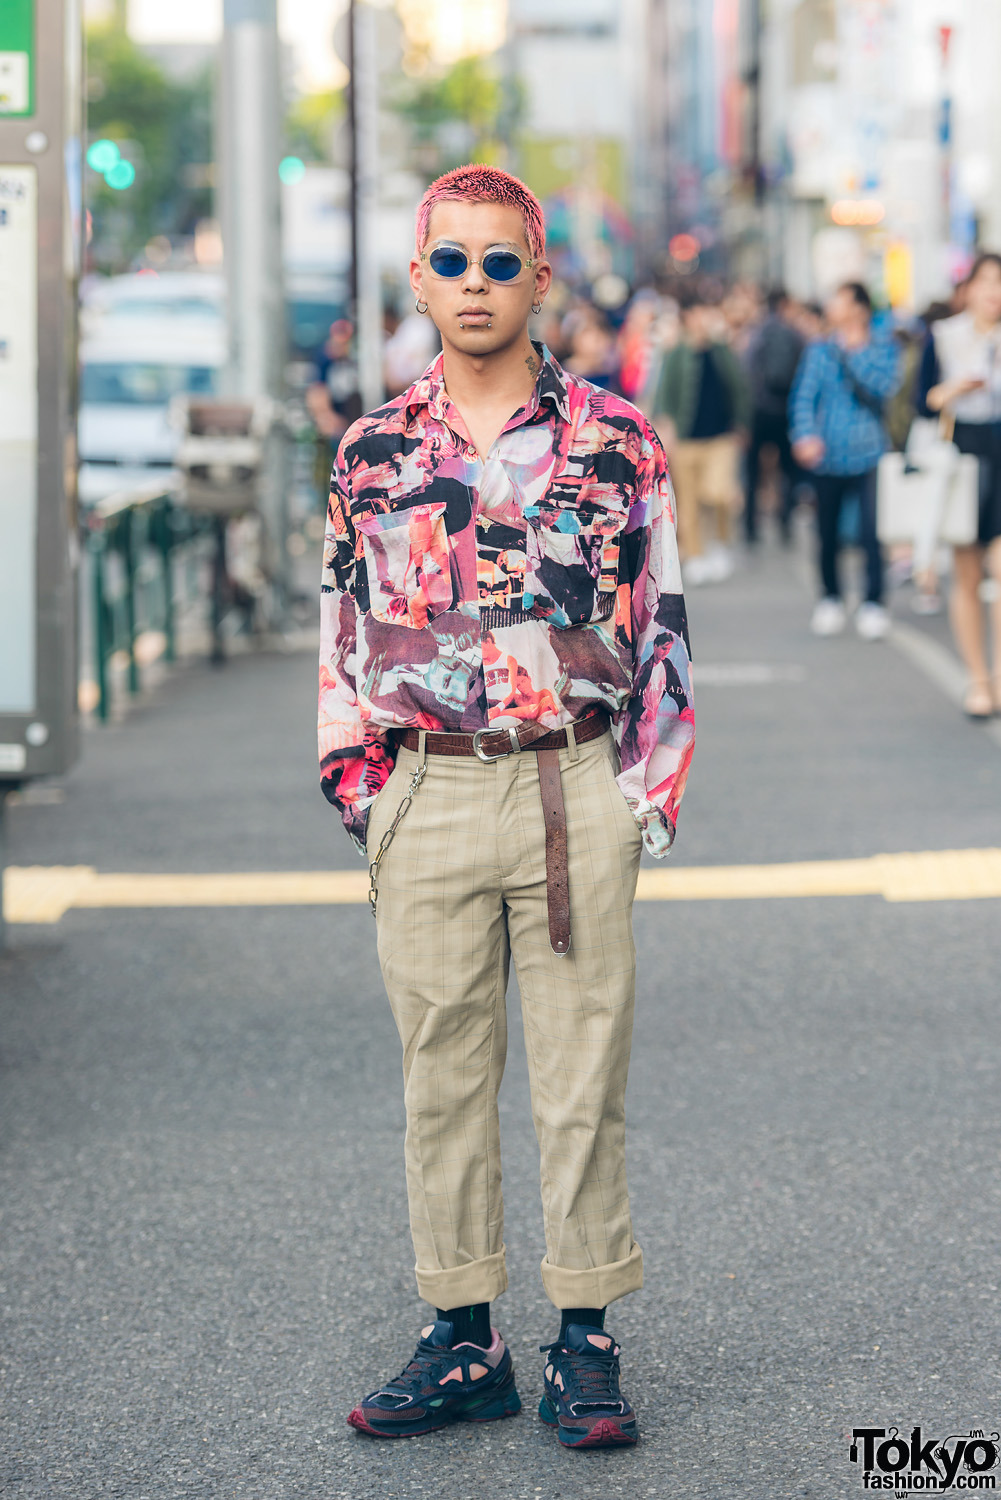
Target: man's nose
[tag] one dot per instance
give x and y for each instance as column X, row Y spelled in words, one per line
column 475, row 280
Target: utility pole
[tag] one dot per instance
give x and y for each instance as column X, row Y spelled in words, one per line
column 353, row 159
column 363, row 120
column 249, row 195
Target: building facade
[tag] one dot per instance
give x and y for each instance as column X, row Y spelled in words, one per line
column 580, row 68
column 880, row 133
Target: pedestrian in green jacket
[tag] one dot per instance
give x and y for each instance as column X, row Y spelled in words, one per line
column 702, row 408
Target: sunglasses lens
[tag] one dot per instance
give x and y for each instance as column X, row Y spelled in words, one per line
column 501, row 265
column 447, row 261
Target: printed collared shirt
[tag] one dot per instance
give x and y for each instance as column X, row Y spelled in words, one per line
column 462, row 593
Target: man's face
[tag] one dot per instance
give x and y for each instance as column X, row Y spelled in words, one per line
column 697, row 322
column 844, row 312
column 471, row 312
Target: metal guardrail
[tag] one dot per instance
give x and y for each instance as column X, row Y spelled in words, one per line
column 156, row 554
column 134, row 542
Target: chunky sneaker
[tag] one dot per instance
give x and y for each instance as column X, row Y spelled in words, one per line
column 441, row 1384
column 582, row 1400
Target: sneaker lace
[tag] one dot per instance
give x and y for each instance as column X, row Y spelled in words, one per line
column 416, row 1375
column 592, row 1379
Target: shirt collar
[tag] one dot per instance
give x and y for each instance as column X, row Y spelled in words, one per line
column 551, row 385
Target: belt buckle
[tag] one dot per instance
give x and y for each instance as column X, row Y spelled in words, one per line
column 488, row 759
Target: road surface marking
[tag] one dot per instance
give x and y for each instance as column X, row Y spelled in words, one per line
column 44, row 893
column 745, row 673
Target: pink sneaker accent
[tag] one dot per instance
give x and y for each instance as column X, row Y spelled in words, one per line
column 491, row 1356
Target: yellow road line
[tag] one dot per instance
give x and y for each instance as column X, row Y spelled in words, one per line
column 44, row 893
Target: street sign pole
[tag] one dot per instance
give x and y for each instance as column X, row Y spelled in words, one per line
column 41, row 59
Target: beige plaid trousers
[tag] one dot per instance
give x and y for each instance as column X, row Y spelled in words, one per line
column 462, row 890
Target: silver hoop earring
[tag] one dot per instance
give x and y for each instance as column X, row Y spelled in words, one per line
column 536, row 308
column 421, row 307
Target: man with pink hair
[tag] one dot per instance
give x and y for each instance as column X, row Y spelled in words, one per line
column 505, row 721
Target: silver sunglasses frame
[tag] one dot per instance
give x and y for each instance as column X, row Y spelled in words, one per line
column 526, row 265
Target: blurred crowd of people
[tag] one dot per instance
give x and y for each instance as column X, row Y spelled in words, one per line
column 765, row 404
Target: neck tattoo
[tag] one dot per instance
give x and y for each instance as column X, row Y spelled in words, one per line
column 533, row 365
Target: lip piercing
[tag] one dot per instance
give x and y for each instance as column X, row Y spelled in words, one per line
column 489, row 325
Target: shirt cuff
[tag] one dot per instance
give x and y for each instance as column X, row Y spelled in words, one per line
column 355, row 820
column 656, row 828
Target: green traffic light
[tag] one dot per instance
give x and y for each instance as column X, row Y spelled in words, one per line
column 103, row 155
column 291, row 169
column 121, row 175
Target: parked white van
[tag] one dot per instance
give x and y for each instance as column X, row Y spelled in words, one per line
column 130, row 370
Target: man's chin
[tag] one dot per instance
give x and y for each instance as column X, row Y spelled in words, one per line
column 480, row 341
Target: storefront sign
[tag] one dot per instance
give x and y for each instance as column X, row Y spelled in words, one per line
column 17, row 57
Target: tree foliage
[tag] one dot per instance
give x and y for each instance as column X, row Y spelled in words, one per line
column 311, row 122
column 164, row 127
column 467, row 113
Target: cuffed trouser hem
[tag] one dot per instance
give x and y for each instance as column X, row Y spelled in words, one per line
column 477, row 1281
column 595, row 1287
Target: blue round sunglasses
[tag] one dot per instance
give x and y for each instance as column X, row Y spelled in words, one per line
column 451, row 261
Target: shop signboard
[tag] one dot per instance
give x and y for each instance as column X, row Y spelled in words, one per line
column 17, row 58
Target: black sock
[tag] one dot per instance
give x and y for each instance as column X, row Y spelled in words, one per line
column 591, row 1317
column 471, row 1324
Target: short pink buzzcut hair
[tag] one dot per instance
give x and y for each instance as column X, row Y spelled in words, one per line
column 482, row 184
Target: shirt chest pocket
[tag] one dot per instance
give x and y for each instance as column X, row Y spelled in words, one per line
column 572, row 564
column 408, row 564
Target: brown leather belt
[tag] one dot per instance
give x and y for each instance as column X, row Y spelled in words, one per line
column 496, row 744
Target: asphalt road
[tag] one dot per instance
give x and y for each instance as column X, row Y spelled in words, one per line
column 205, row 1256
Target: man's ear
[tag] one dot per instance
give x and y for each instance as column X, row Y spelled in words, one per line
column 416, row 279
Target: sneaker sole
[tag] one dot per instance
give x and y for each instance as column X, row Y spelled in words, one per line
column 607, row 1433
column 491, row 1406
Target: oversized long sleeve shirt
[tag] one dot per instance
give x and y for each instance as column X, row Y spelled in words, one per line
column 462, row 593
column 824, row 404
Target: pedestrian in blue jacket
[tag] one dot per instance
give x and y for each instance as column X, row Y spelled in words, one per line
column 838, row 432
